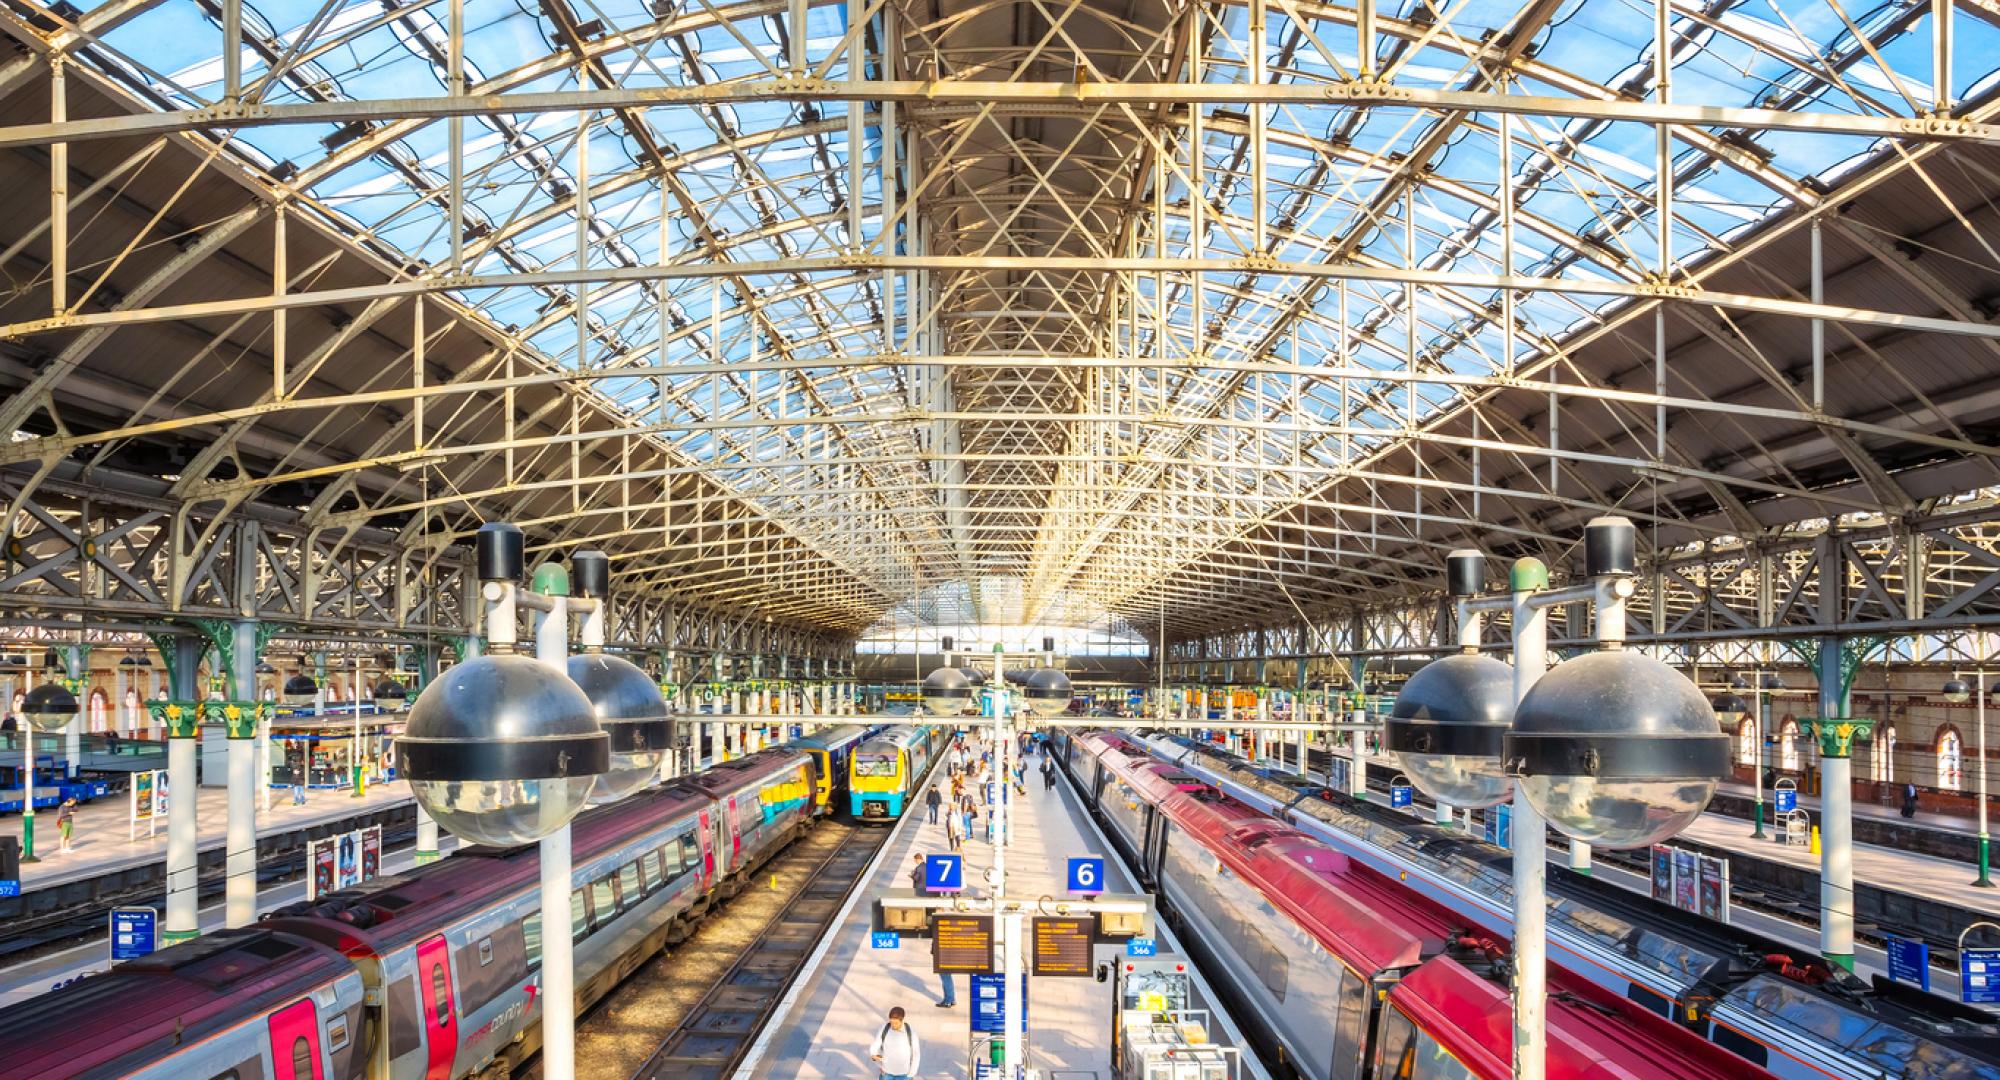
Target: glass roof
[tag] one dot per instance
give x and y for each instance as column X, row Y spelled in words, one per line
column 775, row 378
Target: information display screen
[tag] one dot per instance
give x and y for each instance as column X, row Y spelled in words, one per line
column 1060, row 946
column 962, row 944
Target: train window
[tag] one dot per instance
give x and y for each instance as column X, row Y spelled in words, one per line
column 690, row 852
column 579, row 915
column 500, row 961
column 406, row 1032
column 531, row 937
column 440, row 993
column 649, row 871
column 629, row 889
column 1739, row 1044
column 603, row 901
column 252, row 1069
column 302, row 1056
column 1350, row 1028
column 1396, row 1052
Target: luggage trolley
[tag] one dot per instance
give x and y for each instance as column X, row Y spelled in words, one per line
column 1156, row 1033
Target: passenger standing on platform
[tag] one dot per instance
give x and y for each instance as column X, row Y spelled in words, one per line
column 896, row 1051
column 954, row 833
column 1048, row 775
column 1909, row 800
column 917, row 872
column 931, row 802
column 950, row 991
column 969, row 812
column 111, row 743
column 65, row 820
column 299, row 781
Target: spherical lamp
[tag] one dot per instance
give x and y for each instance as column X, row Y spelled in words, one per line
column 1731, row 704
column 1447, row 728
column 633, row 713
column 300, row 689
column 503, row 749
column 1958, row 691
column 1047, row 692
column 390, row 694
column 946, row 692
column 49, row 706
column 1617, row 749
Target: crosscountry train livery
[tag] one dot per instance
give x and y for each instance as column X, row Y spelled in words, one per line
column 427, row 975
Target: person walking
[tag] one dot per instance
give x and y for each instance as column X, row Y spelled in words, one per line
column 932, row 800
column 896, row 1051
column 65, row 821
column 1048, row 775
column 950, row 991
column 954, row 830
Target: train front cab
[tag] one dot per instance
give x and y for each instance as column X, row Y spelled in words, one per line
column 878, row 781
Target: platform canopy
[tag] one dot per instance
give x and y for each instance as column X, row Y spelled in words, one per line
column 1186, row 315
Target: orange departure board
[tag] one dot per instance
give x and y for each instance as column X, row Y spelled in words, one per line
column 962, row 943
column 1060, row 946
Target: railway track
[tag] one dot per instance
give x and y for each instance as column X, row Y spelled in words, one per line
column 694, row 1010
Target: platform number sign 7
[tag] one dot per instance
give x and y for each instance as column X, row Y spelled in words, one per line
column 1086, row 875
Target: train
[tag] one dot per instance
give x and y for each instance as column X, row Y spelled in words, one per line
column 886, row 769
column 830, row 750
column 1338, row 971
column 431, row 974
column 1796, row 1016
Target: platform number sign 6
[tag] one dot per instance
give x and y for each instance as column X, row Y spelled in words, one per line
column 1086, row 875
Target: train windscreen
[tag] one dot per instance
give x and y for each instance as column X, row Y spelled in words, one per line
column 875, row 763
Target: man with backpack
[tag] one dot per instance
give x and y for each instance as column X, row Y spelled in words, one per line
column 896, row 1051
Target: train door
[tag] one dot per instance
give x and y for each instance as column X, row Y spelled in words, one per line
column 440, row 1018
column 707, row 831
column 735, row 834
column 295, row 1043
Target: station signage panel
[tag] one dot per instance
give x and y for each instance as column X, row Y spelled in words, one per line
column 962, row 944
column 1787, row 799
column 944, row 873
column 1910, row 962
column 1979, row 976
column 135, row 932
column 989, row 1004
column 885, row 939
column 1141, row 946
column 1060, row 945
column 1086, row 875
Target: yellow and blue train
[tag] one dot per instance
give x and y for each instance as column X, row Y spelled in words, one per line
column 884, row 771
column 830, row 749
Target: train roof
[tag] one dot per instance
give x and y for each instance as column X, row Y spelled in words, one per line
column 901, row 735
column 835, row 738
column 175, row 997
column 1591, row 1035
column 1368, row 922
column 392, row 912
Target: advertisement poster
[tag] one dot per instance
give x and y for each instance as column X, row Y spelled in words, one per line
column 1687, row 880
column 1715, row 888
column 319, row 856
column 371, row 853
column 1663, row 873
column 142, row 795
column 350, row 860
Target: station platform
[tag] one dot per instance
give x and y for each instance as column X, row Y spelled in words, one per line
column 102, row 842
column 836, row 1009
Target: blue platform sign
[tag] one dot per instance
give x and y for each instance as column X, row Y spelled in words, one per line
column 885, row 939
column 1910, row 962
column 1400, row 795
column 135, row 932
column 1500, row 825
column 10, row 888
column 989, row 1004
column 944, row 873
column 1979, row 976
column 1086, row 875
column 1787, row 799
column 1141, row 946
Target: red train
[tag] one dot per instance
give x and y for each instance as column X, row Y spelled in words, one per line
column 1342, row 972
column 431, row 974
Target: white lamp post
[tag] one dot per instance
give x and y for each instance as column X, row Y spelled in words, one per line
column 504, row 749
column 1958, row 693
